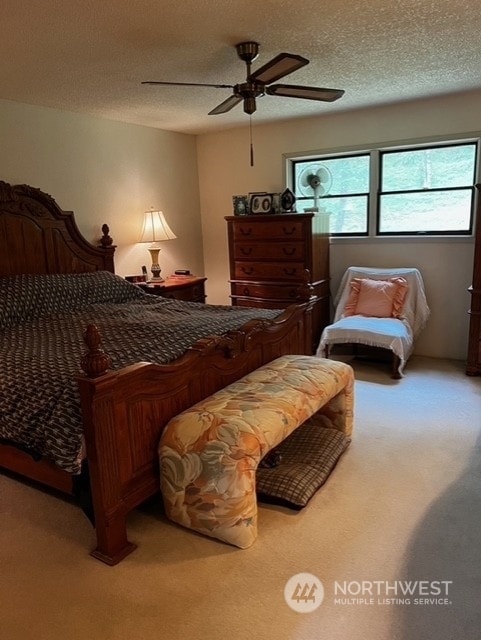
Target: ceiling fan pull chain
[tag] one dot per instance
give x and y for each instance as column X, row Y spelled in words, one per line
column 250, row 137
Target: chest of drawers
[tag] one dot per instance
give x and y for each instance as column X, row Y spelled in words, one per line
column 278, row 260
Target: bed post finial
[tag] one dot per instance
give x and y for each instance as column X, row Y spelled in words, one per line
column 105, row 240
column 95, row 362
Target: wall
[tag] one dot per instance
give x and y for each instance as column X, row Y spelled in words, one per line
column 109, row 172
column 446, row 265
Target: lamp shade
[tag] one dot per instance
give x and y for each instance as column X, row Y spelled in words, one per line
column 156, row 228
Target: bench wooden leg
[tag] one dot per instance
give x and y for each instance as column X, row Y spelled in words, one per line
column 395, row 367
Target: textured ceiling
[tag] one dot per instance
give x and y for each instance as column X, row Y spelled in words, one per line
column 90, row 56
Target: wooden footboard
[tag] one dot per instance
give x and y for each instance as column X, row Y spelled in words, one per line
column 125, row 411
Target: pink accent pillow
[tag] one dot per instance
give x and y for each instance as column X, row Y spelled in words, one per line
column 376, row 298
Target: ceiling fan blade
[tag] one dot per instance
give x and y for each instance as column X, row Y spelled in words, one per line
column 277, row 68
column 225, row 106
column 307, row 93
column 190, row 84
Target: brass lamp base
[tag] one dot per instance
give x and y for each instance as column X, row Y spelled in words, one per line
column 155, row 267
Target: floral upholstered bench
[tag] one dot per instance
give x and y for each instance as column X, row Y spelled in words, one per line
column 209, row 453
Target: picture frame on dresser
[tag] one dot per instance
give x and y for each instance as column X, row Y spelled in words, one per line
column 240, row 205
column 261, row 203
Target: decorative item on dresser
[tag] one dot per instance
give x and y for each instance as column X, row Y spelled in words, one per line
column 260, row 203
column 241, row 205
column 187, row 288
column 278, row 260
column 473, row 365
column 287, row 201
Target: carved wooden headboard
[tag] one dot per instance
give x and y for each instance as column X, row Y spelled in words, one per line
column 36, row 236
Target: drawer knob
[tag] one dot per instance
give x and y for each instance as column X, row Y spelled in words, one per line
column 290, row 231
column 288, row 252
column 248, row 270
column 246, row 291
column 290, row 272
column 246, row 231
column 246, row 251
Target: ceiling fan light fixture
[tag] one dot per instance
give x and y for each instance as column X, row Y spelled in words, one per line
column 250, row 105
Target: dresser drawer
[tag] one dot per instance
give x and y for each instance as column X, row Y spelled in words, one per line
column 269, row 251
column 189, row 289
column 268, row 270
column 260, row 304
column 268, row 291
column 288, row 230
column 192, row 294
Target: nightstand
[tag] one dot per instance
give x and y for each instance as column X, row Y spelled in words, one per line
column 187, row 288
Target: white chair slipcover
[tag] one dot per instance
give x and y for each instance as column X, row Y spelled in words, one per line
column 398, row 335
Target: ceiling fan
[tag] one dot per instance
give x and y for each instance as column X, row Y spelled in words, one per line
column 260, row 82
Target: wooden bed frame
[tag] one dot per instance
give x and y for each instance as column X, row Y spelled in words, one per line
column 124, row 411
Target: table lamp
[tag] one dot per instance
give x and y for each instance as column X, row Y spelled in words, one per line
column 155, row 231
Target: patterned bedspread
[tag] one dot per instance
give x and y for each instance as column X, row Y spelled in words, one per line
column 42, row 321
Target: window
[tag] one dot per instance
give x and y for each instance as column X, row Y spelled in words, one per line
column 427, row 189
column 342, row 183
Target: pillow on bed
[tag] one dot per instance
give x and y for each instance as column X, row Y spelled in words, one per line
column 376, row 298
column 28, row 296
column 291, row 473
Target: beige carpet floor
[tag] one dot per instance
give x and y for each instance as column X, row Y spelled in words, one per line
column 403, row 504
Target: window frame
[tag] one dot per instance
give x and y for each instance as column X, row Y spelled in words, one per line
column 376, row 153
column 367, row 194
